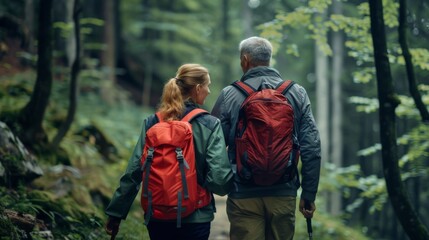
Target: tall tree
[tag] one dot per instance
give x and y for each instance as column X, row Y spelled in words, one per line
column 388, row 102
column 29, row 21
column 63, row 40
column 322, row 98
column 337, row 104
column 31, row 116
column 71, row 111
column 148, row 35
column 108, row 56
column 247, row 19
column 412, row 82
column 226, row 46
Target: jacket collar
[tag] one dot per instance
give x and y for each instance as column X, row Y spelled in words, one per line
column 189, row 106
column 259, row 72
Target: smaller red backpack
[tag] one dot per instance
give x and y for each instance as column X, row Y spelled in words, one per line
column 170, row 189
column 267, row 149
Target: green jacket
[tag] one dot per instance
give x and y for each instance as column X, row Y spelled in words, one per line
column 213, row 168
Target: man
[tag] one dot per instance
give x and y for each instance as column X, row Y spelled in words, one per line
column 268, row 212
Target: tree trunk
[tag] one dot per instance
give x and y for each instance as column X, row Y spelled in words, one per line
column 31, row 116
column 108, row 57
column 388, row 102
column 322, row 104
column 408, row 61
column 29, row 21
column 337, row 105
column 63, row 12
column 73, row 81
column 247, row 19
column 226, row 46
column 148, row 36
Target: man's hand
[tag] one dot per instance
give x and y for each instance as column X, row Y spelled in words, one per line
column 307, row 208
column 112, row 226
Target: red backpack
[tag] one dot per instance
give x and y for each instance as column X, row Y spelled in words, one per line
column 170, row 189
column 267, row 150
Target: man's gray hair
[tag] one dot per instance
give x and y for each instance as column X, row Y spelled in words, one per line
column 258, row 49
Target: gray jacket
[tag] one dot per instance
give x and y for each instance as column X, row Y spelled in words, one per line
column 227, row 108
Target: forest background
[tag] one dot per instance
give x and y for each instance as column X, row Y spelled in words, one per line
column 77, row 78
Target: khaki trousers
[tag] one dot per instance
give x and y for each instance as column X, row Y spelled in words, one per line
column 269, row 218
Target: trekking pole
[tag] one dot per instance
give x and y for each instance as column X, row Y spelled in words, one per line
column 114, row 233
column 113, row 236
column 309, row 228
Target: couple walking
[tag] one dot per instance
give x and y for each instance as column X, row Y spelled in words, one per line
column 254, row 211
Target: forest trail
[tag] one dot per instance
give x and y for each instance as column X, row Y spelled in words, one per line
column 220, row 225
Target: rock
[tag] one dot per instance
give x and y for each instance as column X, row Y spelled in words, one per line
column 17, row 164
column 96, row 136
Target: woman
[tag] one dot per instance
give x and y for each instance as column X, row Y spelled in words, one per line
column 181, row 94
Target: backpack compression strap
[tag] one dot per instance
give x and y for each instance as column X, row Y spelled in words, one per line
column 183, row 164
column 146, row 192
column 159, row 116
column 182, row 161
column 245, row 88
column 193, row 113
column 187, row 118
column 284, row 86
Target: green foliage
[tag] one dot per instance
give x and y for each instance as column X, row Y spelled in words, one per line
column 349, row 179
column 413, row 164
column 165, row 36
column 364, row 104
column 62, row 214
column 8, row 230
column 355, row 24
column 78, row 214
column 365, row 75
column 326, row 227
column 15, row 91
column 356, row 27
column 420, row 58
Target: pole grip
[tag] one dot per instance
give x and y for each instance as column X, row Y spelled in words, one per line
column 307, row 205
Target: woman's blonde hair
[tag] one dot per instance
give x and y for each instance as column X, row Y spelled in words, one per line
column 179, row 89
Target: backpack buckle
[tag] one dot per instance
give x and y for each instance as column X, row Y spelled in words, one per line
column 150, row 154
column 179, row 154
column 180, row 158
column 149, row 158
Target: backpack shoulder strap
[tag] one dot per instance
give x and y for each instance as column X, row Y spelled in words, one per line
column 284, row 86
column 192, row 114
column 159, row 116
column 245, row 88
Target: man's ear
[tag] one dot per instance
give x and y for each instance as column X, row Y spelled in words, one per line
column 244, row 62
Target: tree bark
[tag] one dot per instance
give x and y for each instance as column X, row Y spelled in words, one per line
column 226, row 46
column 337, row 105
column 322, row 105
column 388, row 102
column 108, row 56
column 29, row 21
column 408, row 61
column 247, row 19
column 73, row 81
column 31, row 116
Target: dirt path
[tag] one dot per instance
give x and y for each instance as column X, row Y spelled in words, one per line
column 220, row 225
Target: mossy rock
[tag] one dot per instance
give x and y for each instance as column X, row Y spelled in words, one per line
column 65, row 214
column 96, row 136
column 8, row 230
